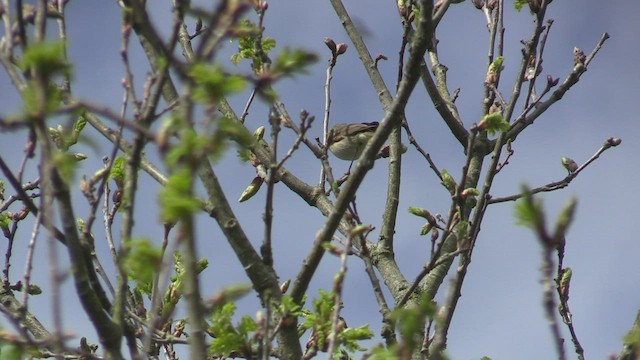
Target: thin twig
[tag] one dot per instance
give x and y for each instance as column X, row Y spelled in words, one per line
column 556, row 185
column 549, row 302
column 29, row 261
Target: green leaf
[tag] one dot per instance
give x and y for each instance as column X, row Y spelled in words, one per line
column 118, row 171
column 142, row 261
column 5, row 221
column 448, row 181
column 493, row 73
column 289, row 306
column 247, row 325
column 201, row 265
column 461, row 229
column 529, row 212
column 236, row 131
column 384, row 353
column 34, row 289
column 565, row 282
column 632, row 338
column 32, row 95
column 410, row 321
column 227, row 338
column 80, row 123
column 470, row 192
column 350, row 337
column 519, row 4
column 66, row 164
column 10, row 351
column 211, row 83
column 268, row 43
column 191, row 146
column 174, row 291
column 494, row 123
column 48, row 58
column 291, row 62
column 497, row 65
column 176, row 198
column 424, row 230
column 247, row 45
column 421, row 212
column 564, row 220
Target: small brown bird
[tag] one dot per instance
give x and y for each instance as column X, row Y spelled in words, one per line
column 347, row 141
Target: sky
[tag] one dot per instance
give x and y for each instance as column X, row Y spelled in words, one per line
column 500, row 314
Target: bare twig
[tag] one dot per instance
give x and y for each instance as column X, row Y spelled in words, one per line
column 556, row 185
column 579, row 68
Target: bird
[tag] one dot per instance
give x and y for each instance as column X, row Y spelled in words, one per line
column 347, row 141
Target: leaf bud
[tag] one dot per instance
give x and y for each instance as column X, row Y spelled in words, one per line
column 569, row 164
column 578, row 56
column 285, row 286
column 478, row 4
column 330, row 44
column 252, row 189
column 259, row 133
column 551, row 82
column 613, row 141
column 341, row 48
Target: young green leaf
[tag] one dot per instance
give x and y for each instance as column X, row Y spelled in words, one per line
column 529, row 212
column 292, row 61
column 448, row 181
column 211, row 83
column 48, row 58
column 176, row 199
column 142, row 261
column 519, row 4
column 493, row 123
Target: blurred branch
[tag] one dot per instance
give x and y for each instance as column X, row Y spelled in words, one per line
column 26, row 199
column 631, row 349
column 14, row 310
column 108, row 331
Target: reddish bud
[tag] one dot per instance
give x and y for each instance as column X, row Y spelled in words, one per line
column 117, row 196
column 381, row 57
column 434, row 235
column 478, row 4
column 569, row 164
column 330, row 44
column 614, row 141
column 534, row 6
column 578, row 56
column 20, row 215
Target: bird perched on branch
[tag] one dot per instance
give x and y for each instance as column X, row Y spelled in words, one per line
column 347, row 141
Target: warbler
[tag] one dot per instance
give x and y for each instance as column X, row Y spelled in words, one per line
column 347, row 141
